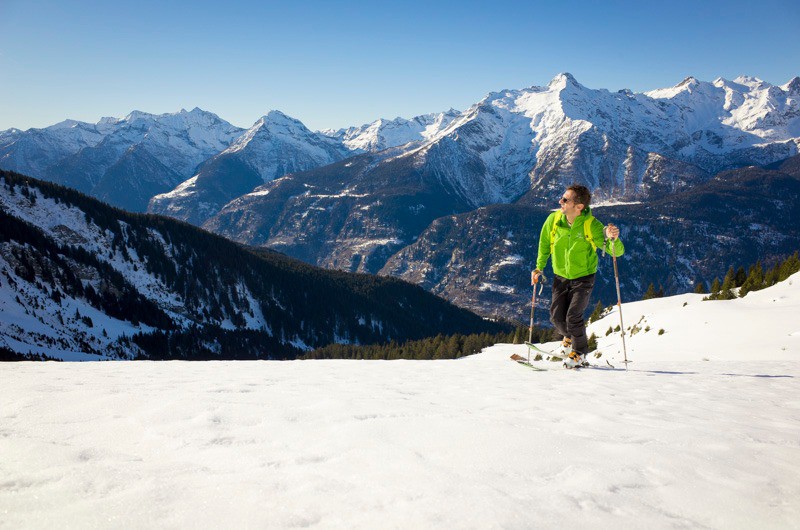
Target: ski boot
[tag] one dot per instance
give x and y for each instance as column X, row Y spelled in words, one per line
column 565, row 349
column 575, row 360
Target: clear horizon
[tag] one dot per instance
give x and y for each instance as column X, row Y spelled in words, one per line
column 334, row 66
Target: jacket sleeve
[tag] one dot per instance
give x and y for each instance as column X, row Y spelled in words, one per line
column 544, row 243
column 599, row 234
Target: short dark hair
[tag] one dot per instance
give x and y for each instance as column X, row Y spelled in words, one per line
column 582, row 194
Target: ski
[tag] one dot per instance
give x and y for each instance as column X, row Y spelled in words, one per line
column 607, row 366
column 521, row 360
column 552, row 353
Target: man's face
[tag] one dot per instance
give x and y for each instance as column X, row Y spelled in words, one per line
column 568, row 204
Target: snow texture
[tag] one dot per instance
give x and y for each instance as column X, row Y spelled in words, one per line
column 480, row 442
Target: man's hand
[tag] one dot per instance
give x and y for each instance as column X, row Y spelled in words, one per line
column 612, row 231
column 535, row 275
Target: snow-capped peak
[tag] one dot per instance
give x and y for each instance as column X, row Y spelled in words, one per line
column 793, row 86
column 137, row 115
column 66, row 124
column 686, row 88
column 384, row 133
column 751, row 82
column 108, row 120
column 564, row 80
column 274, row 124
column 277, row 122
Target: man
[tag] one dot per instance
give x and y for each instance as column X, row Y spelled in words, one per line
column 570, row 236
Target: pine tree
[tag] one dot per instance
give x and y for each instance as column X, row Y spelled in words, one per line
column 730, row 280
column 700, row 287
column 789, row 267
column 650, row 293
column 598, row 310
column 771, row 278
column 740, row 277
column 755, row 279
column 592, row 342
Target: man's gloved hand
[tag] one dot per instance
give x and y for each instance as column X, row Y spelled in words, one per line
column 612, row 231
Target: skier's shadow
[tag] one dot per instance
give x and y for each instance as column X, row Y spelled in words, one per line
column 762, row 375
column 664, row 372
column 668, row 372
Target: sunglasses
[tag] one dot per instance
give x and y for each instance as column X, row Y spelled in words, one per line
column 564, row 199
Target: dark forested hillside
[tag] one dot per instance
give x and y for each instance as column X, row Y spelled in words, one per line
column 78, row 275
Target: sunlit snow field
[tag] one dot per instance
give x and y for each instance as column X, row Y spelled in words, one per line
column 480, row 442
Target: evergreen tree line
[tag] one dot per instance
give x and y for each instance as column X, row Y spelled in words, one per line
column 755, row 279
column 438, row 347
column 7, row 355
column 210, row 343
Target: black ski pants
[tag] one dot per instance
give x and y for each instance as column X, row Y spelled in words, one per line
column 570, row 300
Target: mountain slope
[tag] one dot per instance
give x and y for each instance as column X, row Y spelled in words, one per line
column 482, row 259
column 519, row 146
column 79, row 277
column 351, row 215
column 274, row 146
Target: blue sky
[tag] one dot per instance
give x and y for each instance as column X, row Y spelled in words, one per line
column 334, row 64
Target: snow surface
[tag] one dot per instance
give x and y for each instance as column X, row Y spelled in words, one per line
column 479, row 442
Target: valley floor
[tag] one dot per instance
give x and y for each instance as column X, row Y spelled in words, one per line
column 480, row 442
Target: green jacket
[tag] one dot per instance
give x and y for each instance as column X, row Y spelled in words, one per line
column 573, row 256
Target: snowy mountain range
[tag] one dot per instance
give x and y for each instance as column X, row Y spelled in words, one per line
column 512, row 142
column 519, row 147
column 121, row 161
column 355, row 198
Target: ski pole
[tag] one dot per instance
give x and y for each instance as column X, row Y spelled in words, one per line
column 619, row 302
column 533, row 305
column 541, row 278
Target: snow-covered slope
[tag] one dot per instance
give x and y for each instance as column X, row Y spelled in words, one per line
column 479, row 442
column 182, row 140
column 764, row 325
